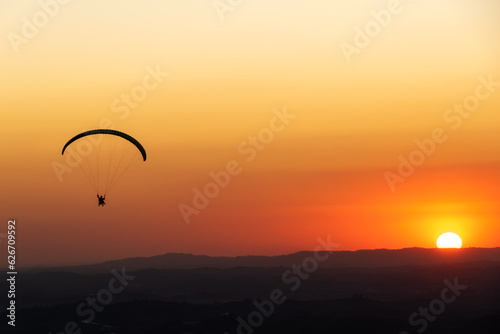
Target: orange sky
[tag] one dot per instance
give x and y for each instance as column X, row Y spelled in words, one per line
column 219, row 82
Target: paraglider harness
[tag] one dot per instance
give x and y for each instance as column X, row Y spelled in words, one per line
column 101, row 200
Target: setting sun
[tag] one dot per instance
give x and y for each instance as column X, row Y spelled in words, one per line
column 449, row 240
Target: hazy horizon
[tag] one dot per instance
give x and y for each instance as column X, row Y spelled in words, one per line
column 76, row 264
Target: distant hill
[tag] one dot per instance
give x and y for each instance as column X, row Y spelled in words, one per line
column 377, row 258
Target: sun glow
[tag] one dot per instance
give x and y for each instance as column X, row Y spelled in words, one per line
column 449, row 240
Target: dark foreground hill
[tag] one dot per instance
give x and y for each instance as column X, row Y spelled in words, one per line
column 453, row 298
column 380, row 291
column 346, row 316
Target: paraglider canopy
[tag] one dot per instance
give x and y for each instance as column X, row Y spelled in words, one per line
column 109, row 132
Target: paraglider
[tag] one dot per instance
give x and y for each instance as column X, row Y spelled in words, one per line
column 104, row 155
column 101, row 200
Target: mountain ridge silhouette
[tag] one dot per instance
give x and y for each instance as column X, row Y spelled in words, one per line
column 364, row 258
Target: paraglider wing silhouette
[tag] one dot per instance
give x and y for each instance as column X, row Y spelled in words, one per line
column 109, row 132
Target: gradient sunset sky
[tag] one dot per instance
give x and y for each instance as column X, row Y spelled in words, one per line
column 323, row 174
